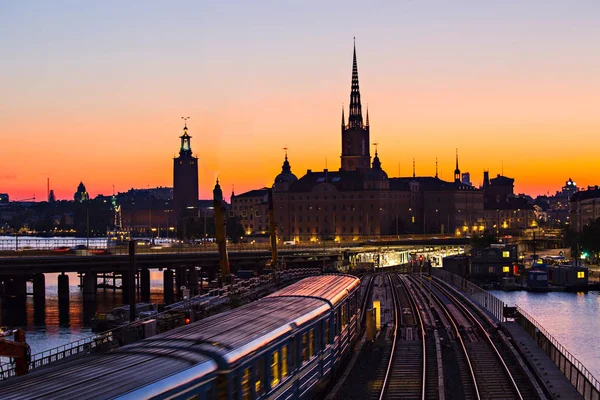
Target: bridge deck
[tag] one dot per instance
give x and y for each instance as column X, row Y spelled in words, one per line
column 544, row 367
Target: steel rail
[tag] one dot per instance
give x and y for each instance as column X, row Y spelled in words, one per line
column 467, row 312
column 396, row 323
column 420, row 317
column 450, row 318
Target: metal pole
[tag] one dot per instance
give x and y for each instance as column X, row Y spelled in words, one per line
column 132, row 270
column 87, row 217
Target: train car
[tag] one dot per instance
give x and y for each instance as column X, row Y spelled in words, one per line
column 284, row 346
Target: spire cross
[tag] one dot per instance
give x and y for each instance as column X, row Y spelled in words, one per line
column 376, row 144
column 185, row 121
column 286, row 149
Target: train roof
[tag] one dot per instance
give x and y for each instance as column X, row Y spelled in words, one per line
column 170, row 359
column 331, row 288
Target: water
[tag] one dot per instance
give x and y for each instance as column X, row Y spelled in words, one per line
column 49, row 329
column 572, row 318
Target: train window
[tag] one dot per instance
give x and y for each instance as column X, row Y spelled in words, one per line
column 284, row 362
column 246, row 390
column 326, row 337
column 221, row 388
column 311, row 343
column 344, row 315
column 304, row 347
column 259, row 377
column 275, row 368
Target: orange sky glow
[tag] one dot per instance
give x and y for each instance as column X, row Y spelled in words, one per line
column 106, row 110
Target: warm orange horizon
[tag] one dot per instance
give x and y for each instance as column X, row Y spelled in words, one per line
column 101, row 103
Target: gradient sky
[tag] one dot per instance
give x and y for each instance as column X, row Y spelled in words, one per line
column 94, row 91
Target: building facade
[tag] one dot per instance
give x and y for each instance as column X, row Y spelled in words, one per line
column 585, row 207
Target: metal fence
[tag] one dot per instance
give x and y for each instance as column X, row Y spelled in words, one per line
column 583, row 380
column 111, row 339
column 493, row 305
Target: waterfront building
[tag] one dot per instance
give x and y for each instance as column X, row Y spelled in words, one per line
column 504, row 211
column 4, row 198
column 584, row 207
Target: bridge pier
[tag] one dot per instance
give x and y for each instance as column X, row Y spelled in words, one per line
column 193, row 281
column 145, row 284
column 89, row 287
column 39, row 288
column 125, row 286
column 180, row 280
column 168, row 285
column 39, row 299
column 16, row 295
column 63, row 298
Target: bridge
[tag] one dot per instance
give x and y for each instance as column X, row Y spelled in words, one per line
column 181, row 261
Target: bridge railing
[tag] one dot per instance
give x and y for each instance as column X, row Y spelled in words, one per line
column 482, row 297
column 112, row 338
column 28, row 246
column 583, row 380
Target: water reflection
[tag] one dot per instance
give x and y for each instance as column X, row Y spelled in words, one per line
column 50, row 323
column 572, row 318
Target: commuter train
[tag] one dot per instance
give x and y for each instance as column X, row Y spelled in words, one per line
column 284, row 346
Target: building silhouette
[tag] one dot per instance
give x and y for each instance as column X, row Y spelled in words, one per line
column 81, row 194
column 185, row 183
column 360, row 200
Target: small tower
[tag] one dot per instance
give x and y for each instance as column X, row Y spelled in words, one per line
column 185, row 182
column 286, row 178
column 457, row 170
column 217, row 192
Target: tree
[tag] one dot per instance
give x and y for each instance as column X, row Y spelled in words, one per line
column 234, row 229
column 590, row 239
column 486, row 239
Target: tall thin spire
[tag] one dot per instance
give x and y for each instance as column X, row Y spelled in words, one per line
column 367, row 114
column 414, row 169
column 343, row 119
column 457, row 159
column 355, row 118
column 436, row 167
column 457, row 170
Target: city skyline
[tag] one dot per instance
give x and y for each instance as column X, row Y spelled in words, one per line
column 512, row 101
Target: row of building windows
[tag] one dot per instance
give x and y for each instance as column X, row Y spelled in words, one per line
column 351, row 197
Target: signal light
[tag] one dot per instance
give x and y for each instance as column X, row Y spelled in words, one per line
column 187, row 320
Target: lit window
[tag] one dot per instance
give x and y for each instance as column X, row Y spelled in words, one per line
column 284, row 366
column 326, row 331
column 246, row 392
column 304, row 347
column 275, row 368
column 344, row 316
column 580, row 274
column 505, row 269
column 311, row 342
column 258, row 383
column 506, row 254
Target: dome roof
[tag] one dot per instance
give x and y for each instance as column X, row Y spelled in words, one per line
column 286, row 175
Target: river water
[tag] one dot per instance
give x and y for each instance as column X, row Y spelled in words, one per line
column 49, row 329
column 572, row 318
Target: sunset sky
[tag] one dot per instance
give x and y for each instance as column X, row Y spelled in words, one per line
column 95, row 91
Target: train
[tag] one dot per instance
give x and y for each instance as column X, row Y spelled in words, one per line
column 287, row 345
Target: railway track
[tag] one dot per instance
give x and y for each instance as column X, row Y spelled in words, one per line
column 486, row 370
column 406, row 372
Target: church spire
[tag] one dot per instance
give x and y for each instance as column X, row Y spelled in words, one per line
column 343, row 119
column 457, row 170
column 355, row 118
column 436, row 167
column 367, row 114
